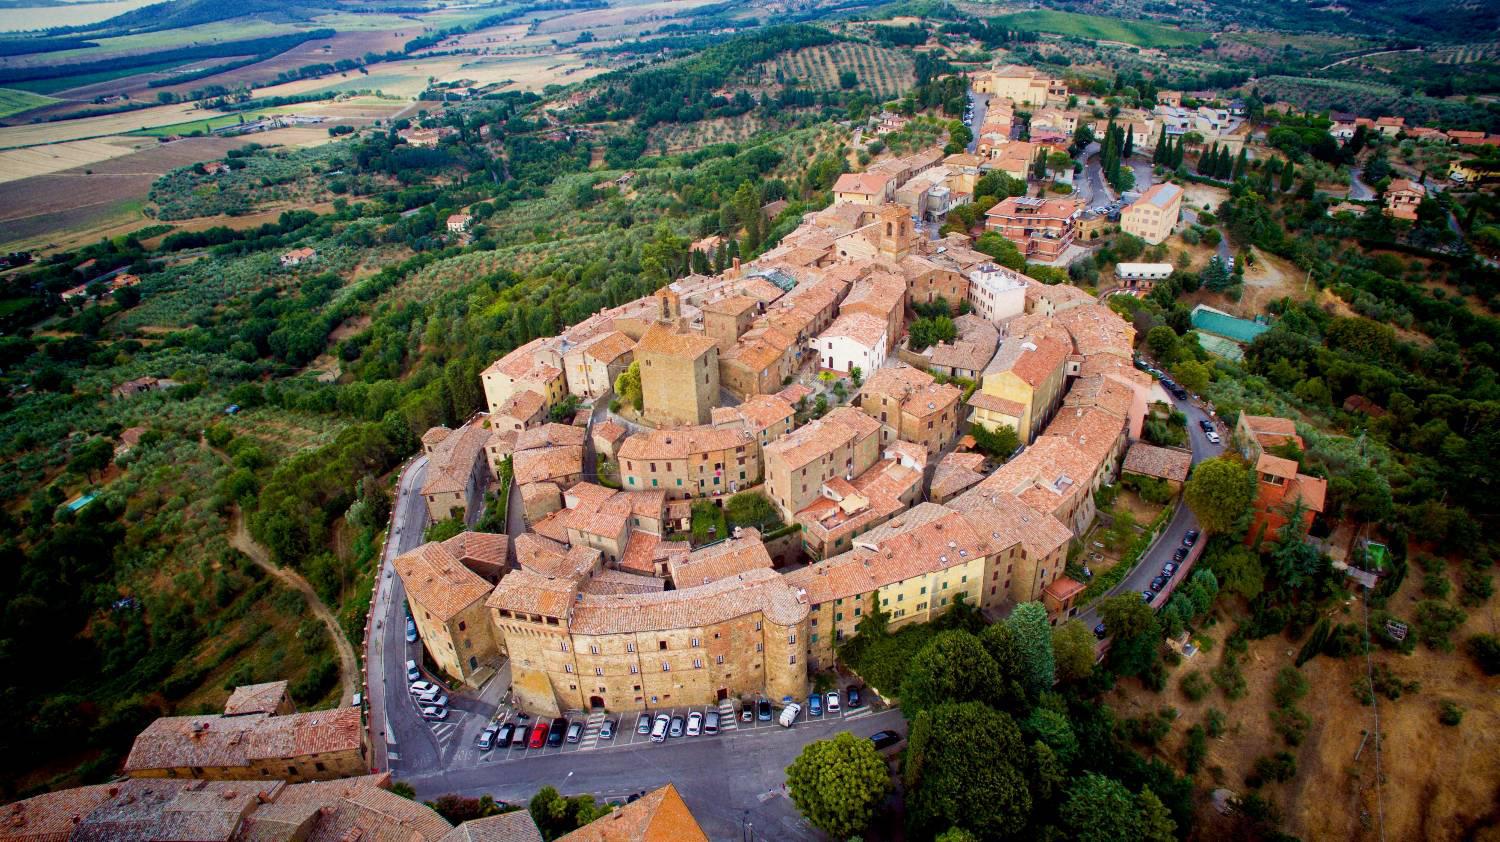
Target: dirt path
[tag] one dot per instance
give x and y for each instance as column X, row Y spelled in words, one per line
column 241, row 540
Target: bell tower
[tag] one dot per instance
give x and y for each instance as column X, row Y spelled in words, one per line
column 895, row 232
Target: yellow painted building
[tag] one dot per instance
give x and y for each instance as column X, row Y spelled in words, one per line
column 1023, row 385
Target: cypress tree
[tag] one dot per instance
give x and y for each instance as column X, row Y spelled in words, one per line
column 1240, row 163
column 1177, row 152
column 1288, row 173
column 1129, row 141
column 1208, row 161
column 1268, row 175
column 1225, row 168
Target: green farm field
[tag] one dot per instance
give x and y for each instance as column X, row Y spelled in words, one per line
column 206, row 125
column 1139, row 33
column 14, row 102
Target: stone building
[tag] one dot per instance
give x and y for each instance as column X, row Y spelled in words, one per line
column 446, row 591
column 679, row 376
column 912, row 406
column 843, row 443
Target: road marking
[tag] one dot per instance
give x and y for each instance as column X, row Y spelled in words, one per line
column 591, row 731
column 726, row 716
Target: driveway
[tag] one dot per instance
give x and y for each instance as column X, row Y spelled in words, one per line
column 729, row 780
column 1358, row 190
column 1149, row 567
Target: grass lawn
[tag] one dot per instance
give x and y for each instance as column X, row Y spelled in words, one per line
column 14, row 102
column 1139, row 33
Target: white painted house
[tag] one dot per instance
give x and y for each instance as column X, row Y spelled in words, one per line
column 997, row 293
column 854, row 339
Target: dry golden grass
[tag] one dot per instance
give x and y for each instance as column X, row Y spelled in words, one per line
column 54, row 157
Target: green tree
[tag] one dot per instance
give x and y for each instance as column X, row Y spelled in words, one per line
column 838, row 783
column 1005, row 252
column 1192, row 374
column 1005, row 650
column 952, row 667
column 1219, row 492
column 961, row 771
column 875, row 622
column 1034, row 638
column 1073, row 651
column 1161, row 341
column 1125, row 615
column 925, row 332
column 556, row 815
column 628, row 387
column 1053, row 730
column 92, row 457
column 1156, row 821
column 1100, row 809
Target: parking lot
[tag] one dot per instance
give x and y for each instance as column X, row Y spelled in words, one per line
column 626, row 731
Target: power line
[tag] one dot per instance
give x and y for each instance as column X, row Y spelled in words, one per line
column 1375, row 705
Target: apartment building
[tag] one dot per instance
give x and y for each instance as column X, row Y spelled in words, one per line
column 591, row 366
column 252, row 742
column 1279, row 484
column 846, row 509
column 698, row 461
column 1023, row 85
column 577, row 646
column 603, row 519
column 1153, row 216
column 969, row 352
column 854, row 340
column 910, row 405
column 536, row 367
column 446, row 592
column 929, row 278
column 1041, row 228
column 845, row 442
column 1023, row 384
column 996, row 292
column 679, row 376
column 913, row 566
column 759, row 363
column 880, row 294
column 457, row 471
column 866, row 188
column 725, row 320
column 766, row 417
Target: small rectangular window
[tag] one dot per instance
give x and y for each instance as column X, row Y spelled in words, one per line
column 666, row 667
column 634, row 669
column 719, row 659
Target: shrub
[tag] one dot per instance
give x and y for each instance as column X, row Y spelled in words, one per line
column 1194, row 748
column 1485, row 650
column 1195, row 686
column 1289, row 687
column 1477, row 587
column 1450, row 714
column 1229, row 677
column 1291, row 723
column 1213, row 722
column 1278, row 767
column 1436, row 622
column 1437, row 585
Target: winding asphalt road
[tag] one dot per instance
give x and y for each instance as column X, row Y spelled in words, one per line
column 1160, row 553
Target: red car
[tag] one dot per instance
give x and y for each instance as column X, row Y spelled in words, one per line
column 538, row 735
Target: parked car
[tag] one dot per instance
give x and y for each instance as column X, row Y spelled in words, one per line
column 556, row 731
column 607, row 729
column 434, row 713
column 519, row 736
column 833, row 701
column 1191, row 537
column 711, row 722
column 659, row 728
column 695, row 724
column 411, row 631
column 1168, row 569
column 1099, row 631
column 575, row 732
column 412, row 673
column 885, row 739
column 1212, row 436
column 814, row 705
column 1158, row 583
column 1147, row 596
column 434, row 697
column 538, row 735
column 746, row 714
column 1179, row 554
column 486, row 739
column 853, row 698
column 675, row 730
column 1206, row 424
column 643, row 723
column 763, row 710
column 789, row 714
column 504, row 734
column 422, row 688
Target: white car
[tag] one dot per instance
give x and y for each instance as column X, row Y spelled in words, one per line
column 422, row 688
column 1213, row 436
column 831, row 701
column 434, row 697
column 433, row 712
column 695, row 724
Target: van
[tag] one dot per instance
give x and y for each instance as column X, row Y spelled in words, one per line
column 659, row 728
column 789, row 714
column 412, row 673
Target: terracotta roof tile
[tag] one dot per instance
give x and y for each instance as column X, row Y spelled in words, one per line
column 256, row 698
column 438, row 582
column 659, row 816
column 819, row 438
column 1162, row 462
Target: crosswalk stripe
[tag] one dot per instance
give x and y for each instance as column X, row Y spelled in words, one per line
column 591, row 731
column 726, row 716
